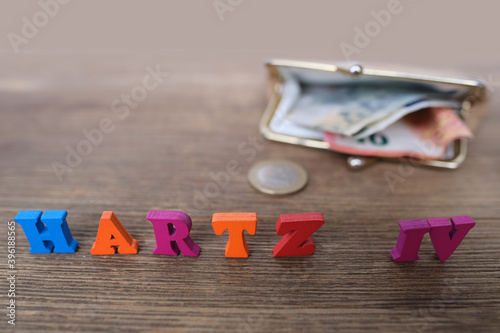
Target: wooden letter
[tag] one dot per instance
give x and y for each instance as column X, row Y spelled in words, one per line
column 112, row 235
column 235, row 224
column 296, row 230
column 47, row 232
column 409, row 240
column 446, row 236
column 172, row 233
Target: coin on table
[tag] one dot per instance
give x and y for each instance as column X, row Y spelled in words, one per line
column 277, row 176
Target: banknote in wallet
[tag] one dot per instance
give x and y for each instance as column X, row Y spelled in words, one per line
column 360, row 110
column 424, row 134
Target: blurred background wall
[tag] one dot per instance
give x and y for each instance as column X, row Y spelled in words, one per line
column 430, row 33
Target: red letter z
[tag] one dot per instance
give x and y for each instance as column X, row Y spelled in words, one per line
column 296, row 230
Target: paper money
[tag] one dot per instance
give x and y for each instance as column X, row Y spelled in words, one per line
column 391, row 118
column 424, row 134
column 352, row 108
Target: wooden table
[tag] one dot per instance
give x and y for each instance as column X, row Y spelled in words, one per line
column 165, row 150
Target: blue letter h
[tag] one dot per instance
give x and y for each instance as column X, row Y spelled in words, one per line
column 47, row 232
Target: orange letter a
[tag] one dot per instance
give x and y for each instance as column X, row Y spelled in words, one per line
column 111, row 235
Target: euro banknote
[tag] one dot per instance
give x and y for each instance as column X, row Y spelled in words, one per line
column 424, row 134
column 363, row 109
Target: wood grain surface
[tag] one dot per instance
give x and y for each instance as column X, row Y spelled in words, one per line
column 166, row 150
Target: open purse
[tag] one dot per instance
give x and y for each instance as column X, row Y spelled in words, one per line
column 291, row 82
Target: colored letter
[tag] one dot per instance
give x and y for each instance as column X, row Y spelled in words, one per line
column 50, row 232
column 409, row 240
column 172, row 233
column 296, row 230
column 112, row 234
column 446, row 236
column 235, row 224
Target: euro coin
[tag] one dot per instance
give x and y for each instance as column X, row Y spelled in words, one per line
column 277, row 176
